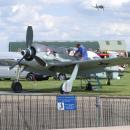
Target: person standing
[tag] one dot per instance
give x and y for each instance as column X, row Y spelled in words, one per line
column 81, row 52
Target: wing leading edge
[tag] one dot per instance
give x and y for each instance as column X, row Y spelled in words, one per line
column 67, row 67
column 89, row 64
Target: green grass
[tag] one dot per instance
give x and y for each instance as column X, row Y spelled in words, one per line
column 117, row 88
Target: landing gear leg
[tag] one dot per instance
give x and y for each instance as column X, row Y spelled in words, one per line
column 89, row 86
column 66, row 87
column 108, row 81
column 81, row 82
column 16, row 85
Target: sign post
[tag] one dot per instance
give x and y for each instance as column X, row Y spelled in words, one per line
column 66, row 102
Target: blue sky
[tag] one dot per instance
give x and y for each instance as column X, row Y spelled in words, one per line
column 64, row 20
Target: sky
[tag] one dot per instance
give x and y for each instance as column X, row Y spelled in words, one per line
column 64, row 20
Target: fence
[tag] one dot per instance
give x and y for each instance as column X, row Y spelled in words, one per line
column 39, row 112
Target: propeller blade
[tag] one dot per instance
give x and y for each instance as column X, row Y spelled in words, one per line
column 29, row 36
column 17, row 63
column 27, row 54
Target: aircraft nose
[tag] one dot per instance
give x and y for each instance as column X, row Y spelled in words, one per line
column 29, row 53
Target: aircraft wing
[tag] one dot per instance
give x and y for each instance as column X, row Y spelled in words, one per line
column 7, row 62
column 10, row 62
column 67, row 67
column 90, row 64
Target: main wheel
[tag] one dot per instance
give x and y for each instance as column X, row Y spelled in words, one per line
column 16, row 87
column 89, row 87
column 62, row 76
column 30, row 77
column 108, row 83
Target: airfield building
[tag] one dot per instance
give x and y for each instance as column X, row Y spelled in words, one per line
column 113, row 45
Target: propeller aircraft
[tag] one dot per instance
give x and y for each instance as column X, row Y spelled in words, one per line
column 99, row 7
column 44, row 59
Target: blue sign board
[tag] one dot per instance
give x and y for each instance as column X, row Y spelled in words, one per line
column 66, row 103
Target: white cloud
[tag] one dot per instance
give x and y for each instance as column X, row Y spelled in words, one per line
column 56, row 27
column 115, row 3
column 7, row 2
column 55, row 1
column 116, row 28
column 48, row 22
column 24, row 14
column 3, row 42
column 84, row 23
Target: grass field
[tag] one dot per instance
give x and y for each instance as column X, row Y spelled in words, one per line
column 118, row 87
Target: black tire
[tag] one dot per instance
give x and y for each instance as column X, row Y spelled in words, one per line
column 30, row 77
column 89, row 87
column 62, row 76
column 16, row 87
column 45, row 78
column 40, row 77
column 108, row 83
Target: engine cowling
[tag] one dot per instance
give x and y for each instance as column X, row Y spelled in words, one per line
column 29, row 53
